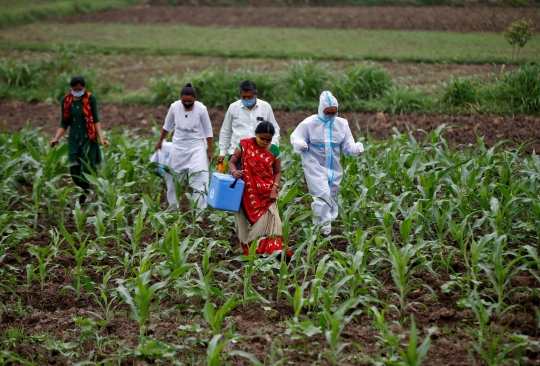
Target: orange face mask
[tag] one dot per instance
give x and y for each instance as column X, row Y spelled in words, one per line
column 262, row 143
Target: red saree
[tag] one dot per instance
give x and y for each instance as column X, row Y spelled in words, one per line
column 258, row 164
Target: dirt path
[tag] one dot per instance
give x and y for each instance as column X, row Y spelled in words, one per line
column 469, row 19
column 14, row 115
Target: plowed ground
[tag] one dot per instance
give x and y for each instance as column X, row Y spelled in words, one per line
column 469, row 19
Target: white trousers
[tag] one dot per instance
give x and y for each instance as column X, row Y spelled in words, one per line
column 198, row 182
column 193, row 166
column 325, row 208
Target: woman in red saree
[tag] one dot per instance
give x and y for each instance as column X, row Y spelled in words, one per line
column 258, row 218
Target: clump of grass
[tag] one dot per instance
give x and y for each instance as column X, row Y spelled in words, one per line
column 306, row 80
column 362, row 82
column 165, row 90
column 216, row 87
column 460, row 92
column 405, row 100
column 19, row 75
column 519, row 90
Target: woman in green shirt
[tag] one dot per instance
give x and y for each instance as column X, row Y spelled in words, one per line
column 80, row 114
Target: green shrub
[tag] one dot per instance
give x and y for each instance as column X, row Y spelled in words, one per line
column 403, row 100
column 518, row 34
column 165, row 90
column 362, row 82
column 459, row 92
column 520, row 89
column 305, row 81
column 18, row 75
column 216, row 87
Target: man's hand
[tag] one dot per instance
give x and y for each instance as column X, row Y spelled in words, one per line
column 220, row 159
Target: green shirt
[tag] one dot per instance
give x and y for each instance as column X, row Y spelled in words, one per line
column 80, row 147
column 76, row 124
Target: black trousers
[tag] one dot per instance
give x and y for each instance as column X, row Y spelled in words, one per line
column 76, row 175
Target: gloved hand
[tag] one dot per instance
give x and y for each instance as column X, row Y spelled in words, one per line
column 301, row 145
column 359, row 148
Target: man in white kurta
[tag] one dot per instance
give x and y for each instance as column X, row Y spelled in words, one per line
column 242, row 118
column 320, row 139
column 188, row 153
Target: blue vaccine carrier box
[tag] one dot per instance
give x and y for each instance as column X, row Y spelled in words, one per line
column 225, row 192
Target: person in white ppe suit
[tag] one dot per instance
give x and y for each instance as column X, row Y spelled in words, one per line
column 191, row 146
column 320, row 139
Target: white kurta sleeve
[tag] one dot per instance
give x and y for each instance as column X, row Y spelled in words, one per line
column 272, row 119
column 169, row 120
column 348, row 145
column 299, row 137
column 206, row 124
column 225, row 133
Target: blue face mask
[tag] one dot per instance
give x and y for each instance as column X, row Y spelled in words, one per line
column 77, row 94
column 326, row 119
column 249, row 103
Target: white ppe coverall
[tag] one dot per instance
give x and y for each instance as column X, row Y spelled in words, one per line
column 320, row 140
column 188, row 156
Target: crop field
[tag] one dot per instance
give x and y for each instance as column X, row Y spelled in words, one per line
column 433, row 247
column 434, row 258
column 253, row 42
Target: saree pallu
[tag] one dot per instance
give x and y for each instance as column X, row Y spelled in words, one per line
column 87, row 110
column 258, row 217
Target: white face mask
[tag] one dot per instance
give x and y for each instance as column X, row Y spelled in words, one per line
column 77, row 94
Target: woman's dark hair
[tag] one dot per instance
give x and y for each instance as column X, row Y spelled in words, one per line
column 77, row 80
column 265, row 127
column 188, row 90
column 247, row 85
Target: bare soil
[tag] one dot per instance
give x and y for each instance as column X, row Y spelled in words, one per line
column 440, row 18
column 464, row 129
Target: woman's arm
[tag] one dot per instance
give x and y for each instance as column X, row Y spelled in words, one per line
column 210, row 149
column 232, row 164
column 100, row 136
column 59, row 134
column 164, row 133
column 277, row 177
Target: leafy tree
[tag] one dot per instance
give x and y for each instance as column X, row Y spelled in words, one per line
column 519, row 33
